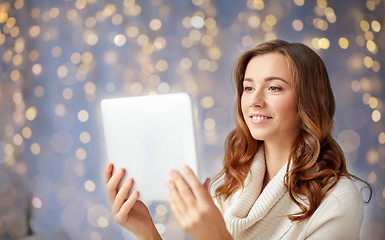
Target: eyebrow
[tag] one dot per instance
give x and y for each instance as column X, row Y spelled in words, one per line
column 267, row 79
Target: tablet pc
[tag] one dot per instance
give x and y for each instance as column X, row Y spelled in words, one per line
column 148, row 136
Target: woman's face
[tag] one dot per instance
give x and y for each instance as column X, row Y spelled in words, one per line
column 268, row 101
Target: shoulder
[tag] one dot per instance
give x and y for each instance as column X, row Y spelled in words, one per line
column 345, row 189
column 340, row 212
column 345, row 195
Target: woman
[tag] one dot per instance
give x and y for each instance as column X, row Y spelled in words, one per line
column 284, row 176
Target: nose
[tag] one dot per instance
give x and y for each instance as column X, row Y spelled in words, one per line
column 258, row 100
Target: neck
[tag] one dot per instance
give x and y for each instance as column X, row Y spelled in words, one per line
column 276, row 155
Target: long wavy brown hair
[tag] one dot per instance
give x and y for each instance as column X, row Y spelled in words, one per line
column 313, row 147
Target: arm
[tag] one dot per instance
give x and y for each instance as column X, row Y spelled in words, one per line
column 194, row 209
column 128, row 212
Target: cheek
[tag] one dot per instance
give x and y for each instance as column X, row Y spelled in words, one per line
column 289, row 109
column 244, row 105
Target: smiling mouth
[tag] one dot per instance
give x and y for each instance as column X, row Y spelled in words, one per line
column 260, row 117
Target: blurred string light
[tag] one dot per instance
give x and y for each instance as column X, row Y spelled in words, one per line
column 59, row 60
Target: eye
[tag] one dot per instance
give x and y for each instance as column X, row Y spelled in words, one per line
column 274, row 88
column 248, row 89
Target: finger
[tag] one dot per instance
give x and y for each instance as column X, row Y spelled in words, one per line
column 108, row 172
column 206, row 184
column 182, row 187
column 129, row 203
column 174, row 197
column 197, row 188
column 113, row 183
column 175, row 210
column 122, row 195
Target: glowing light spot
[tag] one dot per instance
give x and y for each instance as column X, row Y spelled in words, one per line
column 381, row 138
column 142, row 40
column 323, row 43
column 67, row 93
column 26, row 132
column 197, row 22
column 89, row 88
column 255, row 4
column 9, row 149
column 17, row 59
column 368, row 62
column 210, row 23
column 373, row 157
column 33, row 55
column 136, row 88
column 343, row 42
column 161, row 65
column 371, row 46
column 185, row 63
column 31, row 113
column 159, row 43
column 35, row 12
column 373, row 102
column 132, row 32
column 87, row 57
column 103, row 222
column 161, row 210
column 81, row 154
column 119, row 40
column 11, row 22
column 117, row 19
column 83, row 116
column 76, row 58
column 209, row 124
column 56, row 51
column 85, row 137
column 36, row 202
column 376, row 116
column 17, row 139
column 90, row 37
column 254, row 21
column 155, row 24
column 62, row 71
column 207, row 102
column 214, row 53
column 89, row 186
column 163, row 87
column 271, row 20
column 54, row 13
column 297, row 25
column 35, row 148
column 15, row 75
column 364, row 25
column 3, row 17
column 371, row 5
column 109, row 9
column 376, row 26
column 37, row 69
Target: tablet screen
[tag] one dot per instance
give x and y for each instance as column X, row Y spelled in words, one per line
column 148, row 136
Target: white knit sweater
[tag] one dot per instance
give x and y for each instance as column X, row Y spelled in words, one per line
column 252, row 214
